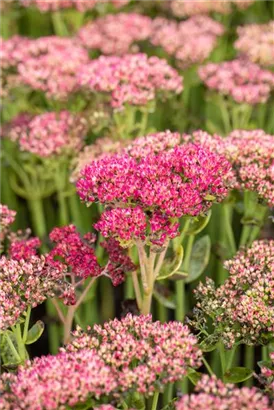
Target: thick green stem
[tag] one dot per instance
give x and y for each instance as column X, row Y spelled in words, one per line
column 74, row 204
column 38, row 217
column 205, row 362
column 227, row 218
column 155, row 401
column 26, row 325
column 222, row 357
column 249, row 361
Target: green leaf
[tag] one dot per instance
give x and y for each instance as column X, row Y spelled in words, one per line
column 35, row 332
column 194, row 376
column 7, row 356
column 164, row 296
column 265, row 363
column 171, row 266
column 199, row 258
column 237, row 375
column 199, row 223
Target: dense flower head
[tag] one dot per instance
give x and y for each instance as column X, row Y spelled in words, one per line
column 143, row 184
column 244, row 81
column 251, row 156
column 13, row 51
column 76, row 252
column 116, row 33
column 22, row 246
column 182, row 8
column 7, row 217
column 26, row 283
column 47, row 134
column 213, row 394
column 242, row 308
column 81, row 5
column 190, row 41
column 256, row 42
column 133, row 79
column 55, row 382
column 144, row 355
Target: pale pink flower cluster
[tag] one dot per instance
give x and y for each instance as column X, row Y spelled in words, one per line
column 7, row 217
column 116, row 33
column 55, row 382
column 190, row 41
column 144, row 355
column 251, row 156
column 48, row 134
column 244, row 81
column 81, row 5
column 132, row 79
column 182, row 8
column 213, row 394
column 26, row 283
column 149, row 192
column 13, row 51
column 256, row 42
column 242, row 309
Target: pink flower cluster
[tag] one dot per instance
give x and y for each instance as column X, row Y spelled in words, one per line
column 7, row 217
column 26, row 283
column 132, row 79
column 154, row 188
column 23, row 247
column 81, row 5
column 244, row 81
column 190, row 41
column 256, row 42
column 242, row 309
column 251, row 156
column 55, row 382
column 144, row 355
column 48, row 134
column 213, row 394
column 182, row 8
column 116, row 33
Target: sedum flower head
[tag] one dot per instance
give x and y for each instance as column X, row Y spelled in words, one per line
column 213, row 394
column 256, row 42
column 116, row 33
column 243, row 81
column 144, row 355
column 133, row 79
column 182, row 8
column 242, row 308
column 7, row 217
column 81, row 5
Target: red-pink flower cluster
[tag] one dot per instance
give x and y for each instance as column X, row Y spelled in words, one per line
column 213, row 394
column 153, row 188
column 7, row 217
column 116, row 33
column 256, row 42
column 55, row 382
column 81, row 5
column 251, row 156
column 48, row 134
column 242, row 309
column 244, row 81
column 182, row 8
column 26, row 283
column 23, row 247
column 190, row 41
column 132, row 79
column 144, row 355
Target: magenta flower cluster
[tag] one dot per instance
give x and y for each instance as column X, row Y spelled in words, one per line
column 242, row 308
column 116, row 33
column 190, row 41
column 243, row 81
column 256, row 42
column 143, row 355
column 213, row 394
column 132, row 79
column 47, row 134
column 153, row 189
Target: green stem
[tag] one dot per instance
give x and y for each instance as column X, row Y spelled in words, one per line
column 227, row 213
column 222, row 357
column 63, row 210
column 26, row 325
column 205, row 362
column 20, row 343
column 74, row 204
column 155, row 401
column 38, row 217
column 265, row 353
column 249, row 361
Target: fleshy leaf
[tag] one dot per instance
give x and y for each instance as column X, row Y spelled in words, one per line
column 7, row 356
column 35, row 332
column 171, row 266
column 199, row 223
column 199, row 258
column 237, row 375
column 164, row 296
column 194, row 376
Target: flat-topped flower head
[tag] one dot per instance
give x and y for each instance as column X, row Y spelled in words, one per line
column 190, row 41
column 56, row 382
column 48, row 134
column 145, row 355
column 13, row 51
column 256, row 42
column 7, row 217
column 243, row 81
column 213, row 394
column 81, row 5
column 116, row 33
column 242, row 308
column 133, row 79
column 182, row 8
